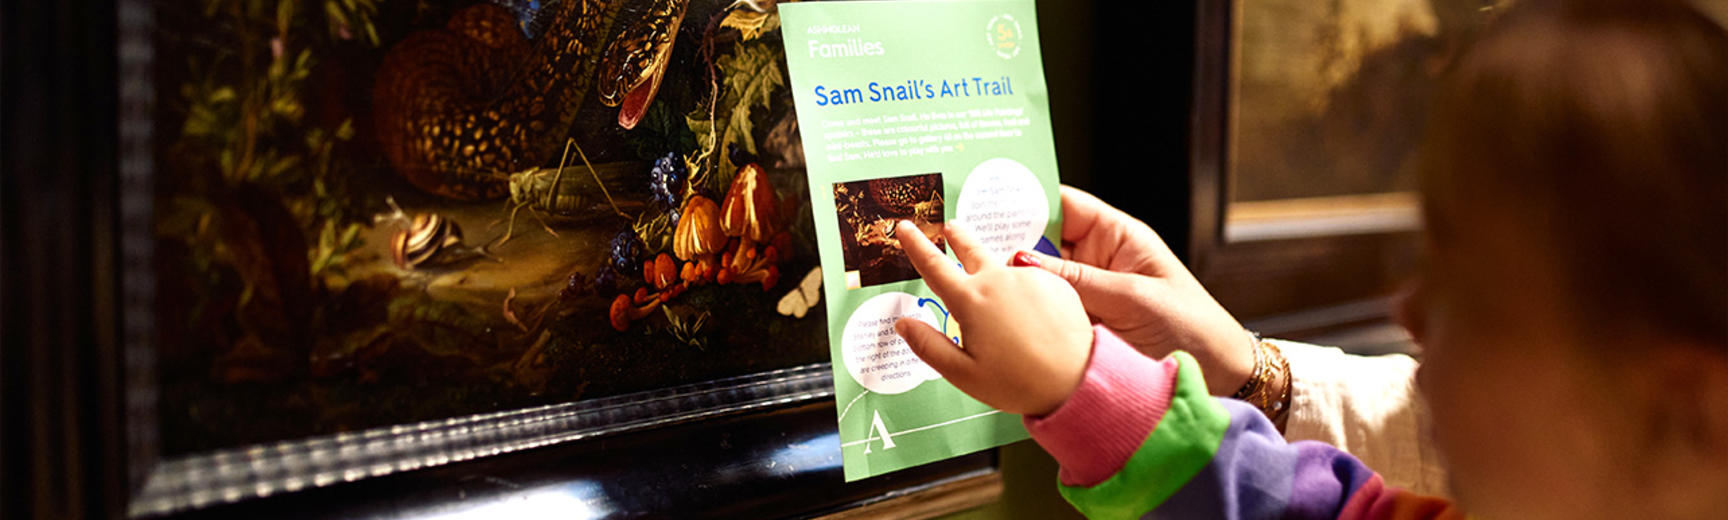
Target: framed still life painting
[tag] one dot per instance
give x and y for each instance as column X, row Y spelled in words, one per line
column 360, row 238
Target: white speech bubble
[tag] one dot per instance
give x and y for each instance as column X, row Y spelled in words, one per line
column 1004, row 206
column 875, row 355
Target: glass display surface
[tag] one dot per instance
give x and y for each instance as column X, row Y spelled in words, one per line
column 376, row 212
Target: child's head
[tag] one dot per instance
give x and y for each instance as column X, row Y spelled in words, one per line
column 1575, row 315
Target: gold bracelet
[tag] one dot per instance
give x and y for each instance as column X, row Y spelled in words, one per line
column 1256, row 378
column 1269, row 365
column 1280, row 410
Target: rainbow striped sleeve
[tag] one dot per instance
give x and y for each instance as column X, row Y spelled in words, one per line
column 1141, row 437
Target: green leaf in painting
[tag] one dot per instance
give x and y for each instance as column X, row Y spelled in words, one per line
column 345, row 131
column 752, row 75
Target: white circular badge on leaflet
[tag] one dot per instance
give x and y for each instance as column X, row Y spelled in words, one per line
column 875, row 355
column 1004, row 206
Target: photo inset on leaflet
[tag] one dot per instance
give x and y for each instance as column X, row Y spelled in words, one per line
column 868, row 211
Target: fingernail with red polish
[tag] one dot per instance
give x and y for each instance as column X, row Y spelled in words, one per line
column 1025, row 259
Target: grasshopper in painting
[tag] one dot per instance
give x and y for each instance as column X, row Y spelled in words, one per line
column 561, row 190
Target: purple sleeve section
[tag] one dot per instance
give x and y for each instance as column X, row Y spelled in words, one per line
column 1325, row 478
column 1118, row 403
column 1249, row 477
column 1255, row 474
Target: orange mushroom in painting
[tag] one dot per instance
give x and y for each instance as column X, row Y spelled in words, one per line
column 752, row 215
column 698, row 239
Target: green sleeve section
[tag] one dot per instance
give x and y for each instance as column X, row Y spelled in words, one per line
column 1180, row 446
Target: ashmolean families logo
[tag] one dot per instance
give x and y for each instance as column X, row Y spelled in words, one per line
column 1003, row 34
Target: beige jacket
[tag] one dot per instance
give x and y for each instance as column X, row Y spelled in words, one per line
column 1368, row 406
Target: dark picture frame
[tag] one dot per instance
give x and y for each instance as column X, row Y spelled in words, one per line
column 79, row 380
column 1288, row 273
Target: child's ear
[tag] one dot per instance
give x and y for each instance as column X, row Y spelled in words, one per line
column 1710, row 372
column 1686, row 390
column 1689, row 386
column 1713, row 404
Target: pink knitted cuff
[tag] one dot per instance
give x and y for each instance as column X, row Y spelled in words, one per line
column 1118, row 403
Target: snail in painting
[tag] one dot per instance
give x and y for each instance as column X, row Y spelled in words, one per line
column 428, row 240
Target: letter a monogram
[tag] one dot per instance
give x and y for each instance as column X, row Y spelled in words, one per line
column 879, row 431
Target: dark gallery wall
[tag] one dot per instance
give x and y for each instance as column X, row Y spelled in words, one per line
column 58, row 398
column 1121, row 82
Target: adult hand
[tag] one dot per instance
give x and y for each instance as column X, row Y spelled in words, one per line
column 1131, row 283
column 1027, row 338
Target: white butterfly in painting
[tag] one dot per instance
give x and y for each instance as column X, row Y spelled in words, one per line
column 799, row 301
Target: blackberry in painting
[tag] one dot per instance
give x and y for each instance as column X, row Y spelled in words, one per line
column 605, row 280
column 626, row 253
column 666, row 180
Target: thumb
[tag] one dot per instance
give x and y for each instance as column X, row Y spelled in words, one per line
column 936, row 350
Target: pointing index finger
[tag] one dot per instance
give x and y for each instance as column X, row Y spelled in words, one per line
column 938, row 272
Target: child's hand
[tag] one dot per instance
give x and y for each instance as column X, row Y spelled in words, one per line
column 1027, row 336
